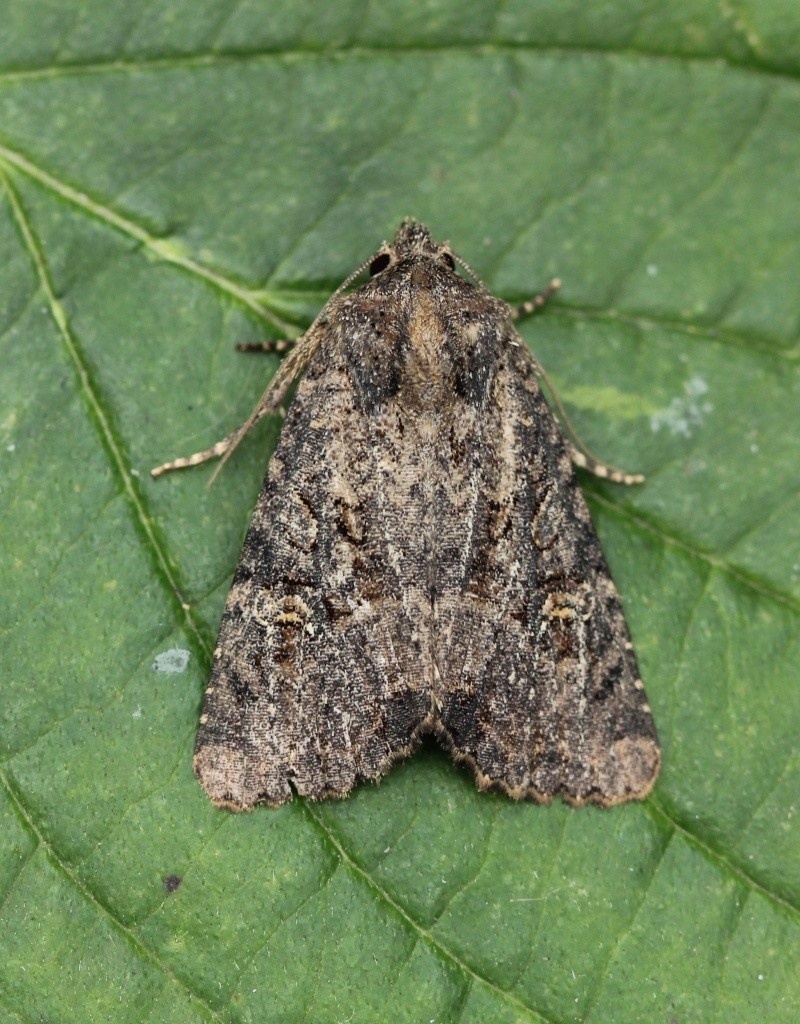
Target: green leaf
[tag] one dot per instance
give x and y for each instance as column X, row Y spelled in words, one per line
column 179, row 176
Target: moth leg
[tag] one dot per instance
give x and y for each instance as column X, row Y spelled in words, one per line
column 268, row 345
column 536, row 303
column 602, row 469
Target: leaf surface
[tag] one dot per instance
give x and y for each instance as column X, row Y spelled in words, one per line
column 178, row 177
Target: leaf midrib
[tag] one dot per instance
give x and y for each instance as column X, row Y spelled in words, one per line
column 232, row 56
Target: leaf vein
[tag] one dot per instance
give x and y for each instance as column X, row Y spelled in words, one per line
column 444, row 952
column 93, row 900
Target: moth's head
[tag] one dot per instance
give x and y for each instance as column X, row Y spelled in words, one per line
column 412, row 240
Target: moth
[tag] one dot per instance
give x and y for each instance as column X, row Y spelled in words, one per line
column 421, row 560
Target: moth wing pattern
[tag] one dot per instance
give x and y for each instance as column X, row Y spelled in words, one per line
column 317, row 680
column 542, row 693
column 421, row 559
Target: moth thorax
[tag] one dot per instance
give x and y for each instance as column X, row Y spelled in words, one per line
column 429, row 367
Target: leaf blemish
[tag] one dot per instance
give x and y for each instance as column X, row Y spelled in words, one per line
column 686, row 412
column 171, row 662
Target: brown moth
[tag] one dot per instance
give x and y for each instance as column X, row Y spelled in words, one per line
column 421, row 559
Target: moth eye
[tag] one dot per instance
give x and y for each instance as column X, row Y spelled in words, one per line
column 448, row 259
column 380, row 263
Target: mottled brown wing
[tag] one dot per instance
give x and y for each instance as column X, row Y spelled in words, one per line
column 542, row 695
column 420, row 557
column 319, row 677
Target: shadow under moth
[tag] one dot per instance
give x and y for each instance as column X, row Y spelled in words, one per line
column 420, row 559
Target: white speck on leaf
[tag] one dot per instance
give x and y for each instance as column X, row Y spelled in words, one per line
column 172, row 661
column 686, row 412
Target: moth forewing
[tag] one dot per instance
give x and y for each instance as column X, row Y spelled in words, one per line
column 421, row 558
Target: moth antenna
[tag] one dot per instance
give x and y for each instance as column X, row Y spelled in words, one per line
column 272, row 397
column 350, row 278
column 465, row 266
column 285, row 374
column 274, row 394
column 586, row 459
column 602, row 469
